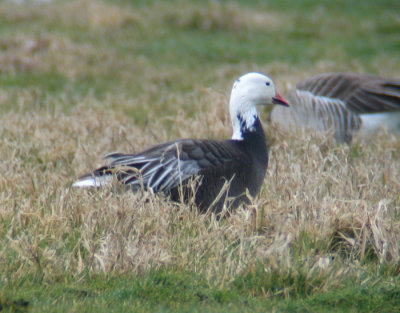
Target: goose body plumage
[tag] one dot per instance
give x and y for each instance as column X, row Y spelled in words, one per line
column 344, row 103
column 173, row 168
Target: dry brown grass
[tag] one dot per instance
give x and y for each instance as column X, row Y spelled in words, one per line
column 345, row 198
column 104, row 16
column 94, row 14
column 43, row 53
column 330, row 208
column 216, row 16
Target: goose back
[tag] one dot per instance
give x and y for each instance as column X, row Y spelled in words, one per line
column 361, row 93
column 338, row 102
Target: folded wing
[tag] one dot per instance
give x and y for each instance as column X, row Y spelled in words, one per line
column 361, row 93
column 165, row 166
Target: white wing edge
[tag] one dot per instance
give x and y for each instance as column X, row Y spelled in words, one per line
column 93, row 182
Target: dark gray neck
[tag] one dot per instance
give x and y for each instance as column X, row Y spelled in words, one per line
column 255, row 142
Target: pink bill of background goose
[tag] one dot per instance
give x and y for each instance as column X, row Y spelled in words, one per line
column 347, row 104
column 169, row 167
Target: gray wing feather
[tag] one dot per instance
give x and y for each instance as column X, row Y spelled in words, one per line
column 152, row 166
column 165, row 166
column 309, row 111
column 361, row 93
column 335, row 101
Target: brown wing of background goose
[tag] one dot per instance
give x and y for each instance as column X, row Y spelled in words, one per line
column 362, row 93
column 345, row 103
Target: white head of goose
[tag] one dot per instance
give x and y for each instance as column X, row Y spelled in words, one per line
column 170, row 167
column 347, row 104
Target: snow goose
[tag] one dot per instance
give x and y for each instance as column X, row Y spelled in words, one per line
column 169, row 167
column 345, row 103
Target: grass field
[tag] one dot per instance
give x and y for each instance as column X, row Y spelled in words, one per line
column 82, row 78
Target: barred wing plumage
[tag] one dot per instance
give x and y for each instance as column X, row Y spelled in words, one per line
column 340, row 102
column 321, row 113
column 165, row 166
column 361, row 93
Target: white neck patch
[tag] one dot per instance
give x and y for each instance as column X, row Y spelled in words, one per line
column 243, row 116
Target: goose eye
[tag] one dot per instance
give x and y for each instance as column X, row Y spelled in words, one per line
column 267, row 83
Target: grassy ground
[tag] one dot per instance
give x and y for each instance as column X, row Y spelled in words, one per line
column 82, row 78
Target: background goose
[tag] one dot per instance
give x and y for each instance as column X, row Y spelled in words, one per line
column 170, row 166
column 346, row 103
